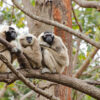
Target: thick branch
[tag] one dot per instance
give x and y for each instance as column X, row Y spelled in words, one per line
column 25, row 81
column 54, row 23
column 61, row 79
column 88, row 4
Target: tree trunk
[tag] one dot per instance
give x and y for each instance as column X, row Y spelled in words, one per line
column 62, row 14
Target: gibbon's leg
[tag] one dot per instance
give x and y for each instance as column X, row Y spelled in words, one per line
column 60, row 57
column 50, row 61
column 3, row 67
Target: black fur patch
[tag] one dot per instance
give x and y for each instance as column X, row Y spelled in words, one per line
column 11, row 34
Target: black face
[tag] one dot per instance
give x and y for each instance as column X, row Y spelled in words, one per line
column 29, row 39
column 11, row 34
column 48, row 37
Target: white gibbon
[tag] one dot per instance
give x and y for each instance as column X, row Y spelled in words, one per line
column 9, row 34
column 31, row 49
column 54, row 52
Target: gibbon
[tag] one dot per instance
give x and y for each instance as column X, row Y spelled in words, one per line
column 31, row 49
column 54, row 52
column 9, row 34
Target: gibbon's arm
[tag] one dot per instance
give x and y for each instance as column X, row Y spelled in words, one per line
column 60, row 58
column 13, row 56
column 2, row 48
column 37, row 52
column 41, row 42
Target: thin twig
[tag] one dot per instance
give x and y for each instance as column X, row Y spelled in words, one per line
column 78, row 40
column 90, row 71
column 80, row 27
column 7, row 3
column 85, row 64
column 32, row 92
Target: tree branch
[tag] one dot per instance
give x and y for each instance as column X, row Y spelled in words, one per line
column 75, row 59
column 90, row 71
column 60, row 79
column 86, row 63
column 92, row 82
column 88, row 4
column 54, row 23
column 25, row 81
column 76, row 20
column 31, row 92
column 27, row 95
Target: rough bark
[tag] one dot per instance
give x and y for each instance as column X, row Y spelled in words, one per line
column 62, row 14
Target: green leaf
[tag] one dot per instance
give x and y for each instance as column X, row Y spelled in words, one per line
column 1, row 3
column 33, row 2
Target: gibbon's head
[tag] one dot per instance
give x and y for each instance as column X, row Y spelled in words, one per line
column 26, row 40
column 48, row 37
column 10, row 33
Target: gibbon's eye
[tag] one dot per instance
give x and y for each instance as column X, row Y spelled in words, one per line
column 29, row 39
